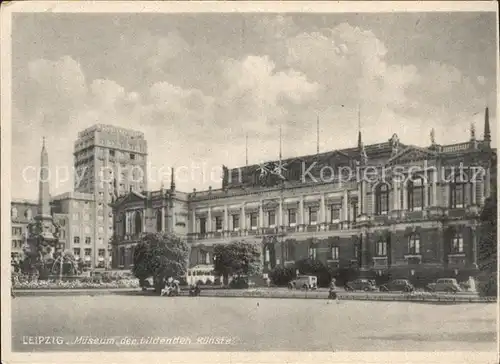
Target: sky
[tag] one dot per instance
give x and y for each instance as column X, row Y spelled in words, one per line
column 198, row 84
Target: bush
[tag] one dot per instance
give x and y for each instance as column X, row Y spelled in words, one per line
column 281, row 276
column 209, row 282
column 200, row 283
column 238, row 283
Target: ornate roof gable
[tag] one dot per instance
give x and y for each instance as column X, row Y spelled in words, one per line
column 129, row 197
column 412, row 153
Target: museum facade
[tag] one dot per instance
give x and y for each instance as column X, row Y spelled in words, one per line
column 378, row 208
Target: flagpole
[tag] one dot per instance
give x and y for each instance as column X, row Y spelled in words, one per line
column 246, row 149
column 317, row 134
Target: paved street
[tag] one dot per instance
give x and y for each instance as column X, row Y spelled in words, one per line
column 235, row 324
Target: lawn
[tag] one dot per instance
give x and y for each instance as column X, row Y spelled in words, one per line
column 249, row 324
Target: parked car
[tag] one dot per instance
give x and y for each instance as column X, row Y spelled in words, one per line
column 304, row 282
column 403, row 285
column 360, row 285
column 444, row 285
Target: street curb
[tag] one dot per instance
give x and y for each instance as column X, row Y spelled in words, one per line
column 259, row 294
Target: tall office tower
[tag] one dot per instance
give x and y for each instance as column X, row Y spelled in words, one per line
column 109, row 161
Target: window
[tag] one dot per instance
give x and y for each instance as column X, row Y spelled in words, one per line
column 335, row 252
column 236, row 222
column 137, row 222
column 218, row 223
column 102, row 252
column 76, row 252
column 416, row 194
column 312, row 252
column 457, row 192
column 457, row 244
column 111, row 153
column 203, row 225
column 334, row 213
column 158, row 221
column 75, row 217
column 313, row 216
column 292, row 217
column 271, row 218
column 88, row 240
column 76, row 240
column 267, row 255
column 382, row 248
column 382, row 199
column 132, row 156
column 414, row 244
column 13, row 212
column 88, row 252
column 253, row 221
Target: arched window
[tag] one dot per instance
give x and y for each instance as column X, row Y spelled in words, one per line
column 416, row 194
column 28, row 214
column 382, row 199
column 457, row 190
column 137, row 223
column 122, row 256
column 158, row 221
column 13, row 212
column 457, row 244
column 414, row 244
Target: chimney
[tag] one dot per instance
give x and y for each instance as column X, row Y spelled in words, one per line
column 487, row 133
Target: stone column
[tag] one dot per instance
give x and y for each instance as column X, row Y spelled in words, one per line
column 362, row 191
column 261, row 215
column 301, row 210
column 473, row 193
column 243, row 218
column 426, row 191
column 374, row 208
column 345, row 206
column 143, row 227
column 194, row 220
column 163, row 218
column 322, row 209
column 487, row 188
column 405, row 197
column 474, row 246
column 395, row 195
column 434, row 187
column 209, row 220
column 280, row 219
column 226, row 219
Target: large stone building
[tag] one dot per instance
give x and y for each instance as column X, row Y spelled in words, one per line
column 381, row 208
column 22, row 213
column 109, row 161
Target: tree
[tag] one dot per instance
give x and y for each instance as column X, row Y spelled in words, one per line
column 236, row 258
column 281, row 276
column 160, row 255
column 487, row 249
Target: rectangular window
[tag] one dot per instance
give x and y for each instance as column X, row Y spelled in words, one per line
column 458, row 244
column 271, row 218
column 292, row 217
column 101, row 252
column 88, row 240
column 253, row 221
column 76, row 240
column 203, row 225
column 132, row 156
column 382, row 249
column 236, row 222
column 76, row 252
column 218, row 223
column 312, row 253
column 335, row 252
column 334, row 213
column 414, row 245
column 88, row 252
column 313, row 216
column 111, row 153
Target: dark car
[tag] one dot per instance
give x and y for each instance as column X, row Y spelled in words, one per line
column 397, row 285
column 360, row 285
